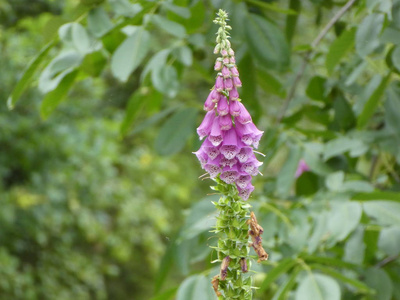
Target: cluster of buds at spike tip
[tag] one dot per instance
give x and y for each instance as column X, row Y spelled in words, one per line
column 229, row 132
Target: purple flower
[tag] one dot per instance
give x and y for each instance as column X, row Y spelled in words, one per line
column 205, row 127
column 249, row 133
column 244, row 154
column 245, row 193
column 209, row 104
column 215, row 136
column 213, row 167
column 243, row 181
column 223, row 106
column 229, row 175
column 237, row 82
column 234, row 72
column 234, row 108
column 230, row 147
column 233, row 94
column 225, row 72
column 244, row 116
column 228, row 84
column 218, row 65
column 219, row 84
column 225, row 122
column 215, row 96
column 227, row 150
column 301, row 168
column 208, row 148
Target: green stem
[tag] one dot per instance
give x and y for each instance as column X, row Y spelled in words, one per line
column 232, row 229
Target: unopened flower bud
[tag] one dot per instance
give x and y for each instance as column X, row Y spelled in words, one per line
column 217, row 48
column 223, row 107
column 224, row 52
column 219, row 84
column 228, row 84
column 225, row 72
column 218, row 65
column 237, row 82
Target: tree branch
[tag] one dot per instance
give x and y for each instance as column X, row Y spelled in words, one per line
column 307, row 57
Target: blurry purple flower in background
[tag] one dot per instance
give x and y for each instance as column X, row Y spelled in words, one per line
column 301, row 168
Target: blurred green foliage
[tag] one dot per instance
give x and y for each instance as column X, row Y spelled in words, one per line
column 99, row 191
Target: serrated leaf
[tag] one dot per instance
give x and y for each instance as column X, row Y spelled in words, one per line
column 27, row 75
column 339, row 48
column 367, row 35
column 372, row 103
column 318, row 287
column 175, row 131
column 267, row 43
column 55, row 97
column 130, row 54
column 169, row 26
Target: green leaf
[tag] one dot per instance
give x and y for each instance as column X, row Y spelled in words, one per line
column 75, row 35
column 175, row 131
column 169, row 26
column 372, row 103
column 94, row 63
column 285, row 287
column 184, row 55
column 55, row 97
column 125, row 8
column 339, row 48
column 200, row 218
column 272, row 7
column 392, row 110
column 267, row 43
column 156, row 62
column 195, row 287
column 380, row 281
column 354, row 250
column 283, row 267
column 27, row 75
column 307, row 184
column 360, row 286
column 318, row 287
column 286, row 176
column 377, row 195
column 165, row 80
column 344, row 118
column 135, row 104
column 316, row 88
column 385, row 212
column 291, row 20
column 99, row 22
column 367, row 35
column 342, row 145
column 184, row 12
column 329, row 261
column 167, row 295
column 165, row 266
column 343, row 219
column 389, row 240
column 130, row 54
column 57, row 69
column 270, row 84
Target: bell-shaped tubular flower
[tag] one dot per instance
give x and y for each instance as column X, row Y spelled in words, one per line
column 225, row 122
column 205, row 127
column 230, row 147
column 230, row 174
column 213, row 166
column 223, row 106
